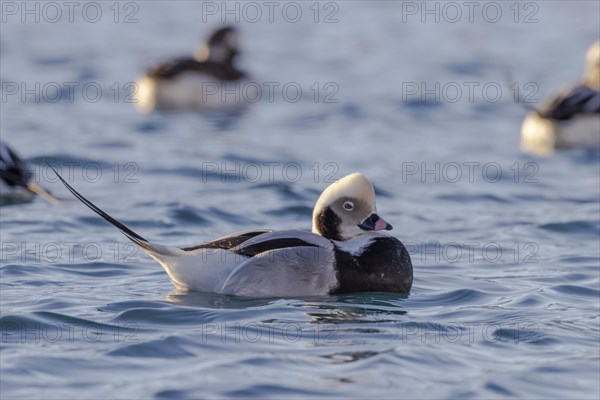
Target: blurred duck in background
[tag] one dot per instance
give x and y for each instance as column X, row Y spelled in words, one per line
column 197, row 83
column 571, row 119
column 16, row 182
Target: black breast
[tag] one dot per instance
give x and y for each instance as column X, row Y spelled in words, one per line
column 221, row 71
column 384, row 266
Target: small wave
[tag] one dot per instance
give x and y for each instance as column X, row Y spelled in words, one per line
column 232, row 218
column 472, row 198
column 579, row 291
column 577, row 227
column 188, row 215
column 285, row 189
column 69, row 161
column 461, row 296
column 299, row 211
column 170, row 316
column 170, row 348
column 97, row 269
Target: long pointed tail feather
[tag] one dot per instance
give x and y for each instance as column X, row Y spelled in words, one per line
column 131, row 235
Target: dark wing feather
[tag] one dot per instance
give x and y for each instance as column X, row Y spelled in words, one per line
column 576, row 101
column 283, row 239
column 255, row 242
column 227, row 242
column 273, row 244
column 13, row 170
column 170, row 70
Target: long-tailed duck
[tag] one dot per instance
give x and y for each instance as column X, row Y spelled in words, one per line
column 569, row 120
column 345, row 252
column 208, row 81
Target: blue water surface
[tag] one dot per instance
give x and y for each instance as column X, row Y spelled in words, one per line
column 505, row 246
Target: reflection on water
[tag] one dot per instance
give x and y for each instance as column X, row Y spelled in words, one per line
column 349, row 357
column 340, row 313
column 214, row 300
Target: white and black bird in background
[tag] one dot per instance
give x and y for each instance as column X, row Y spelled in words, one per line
column 16, row 180
column 569, row 120
column 198, row 82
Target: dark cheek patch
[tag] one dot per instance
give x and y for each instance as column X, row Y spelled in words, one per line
column 328, row 223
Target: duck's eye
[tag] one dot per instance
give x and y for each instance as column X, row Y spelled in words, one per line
column 348, row 206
